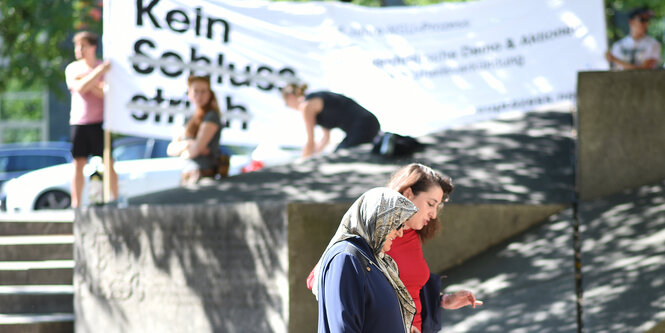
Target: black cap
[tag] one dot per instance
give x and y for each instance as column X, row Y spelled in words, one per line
column 641, row 12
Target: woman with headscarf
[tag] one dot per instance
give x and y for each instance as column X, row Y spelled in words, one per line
column 357, row 285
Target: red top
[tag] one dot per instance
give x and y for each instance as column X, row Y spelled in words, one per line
column 407, row 251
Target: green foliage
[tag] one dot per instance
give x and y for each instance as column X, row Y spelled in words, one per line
column 617, row 21
column 27, row 108
column 34, row 39
column 21, row 135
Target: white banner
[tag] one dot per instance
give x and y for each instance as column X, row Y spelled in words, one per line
column 418, row 69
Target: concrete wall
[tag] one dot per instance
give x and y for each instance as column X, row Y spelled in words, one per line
column 231, row 267
column 181, row 268
column 467, row 230
column 621, row 131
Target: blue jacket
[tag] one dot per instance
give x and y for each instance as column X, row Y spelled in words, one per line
column 353, row 299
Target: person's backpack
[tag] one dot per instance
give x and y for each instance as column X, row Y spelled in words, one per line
column 392, row 144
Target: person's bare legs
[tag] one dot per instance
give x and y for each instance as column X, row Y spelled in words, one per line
column 78, row 181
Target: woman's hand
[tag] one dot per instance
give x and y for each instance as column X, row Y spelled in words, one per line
column 177, row 146
column 609, row 56
column 459, row 299
column 414, row 329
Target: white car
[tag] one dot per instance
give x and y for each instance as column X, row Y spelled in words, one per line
column 49, row 188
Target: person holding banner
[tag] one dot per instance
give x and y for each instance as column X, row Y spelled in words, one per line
column 199, row 140
column 331, row 110
column 85, row 80
column 637, row 50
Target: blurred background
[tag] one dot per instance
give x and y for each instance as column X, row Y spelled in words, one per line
column 34, row 99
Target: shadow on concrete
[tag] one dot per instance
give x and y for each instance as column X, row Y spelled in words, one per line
column 195, row 263
column 528, row 283
column 623, row 248
column 523, row 158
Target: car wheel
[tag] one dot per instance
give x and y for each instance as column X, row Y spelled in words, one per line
column 53, row 200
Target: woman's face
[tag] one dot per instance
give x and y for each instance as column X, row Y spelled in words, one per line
column 199, row 93
column 83, row 49
column 291, row 101
column 639, row 25
column 391, row 236
column 428, row 203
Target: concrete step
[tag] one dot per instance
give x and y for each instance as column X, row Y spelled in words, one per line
column 54, row 216
column 15, row 228
column 37, row 323
column 36, row 247
column 36, row 272
column 44, row 272
column 26, row 299
column 36, row 223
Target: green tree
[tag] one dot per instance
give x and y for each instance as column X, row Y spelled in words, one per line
column 34, row 39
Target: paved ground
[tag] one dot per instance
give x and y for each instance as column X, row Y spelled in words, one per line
column 528, row 283
column 524, row 158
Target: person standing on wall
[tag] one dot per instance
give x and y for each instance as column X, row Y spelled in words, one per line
column 85, row 80
column 637, row 50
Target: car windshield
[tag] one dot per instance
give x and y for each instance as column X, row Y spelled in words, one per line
column 28, row 162
column 132, row 151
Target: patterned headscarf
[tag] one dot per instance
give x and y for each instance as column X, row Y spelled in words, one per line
column 372, row 217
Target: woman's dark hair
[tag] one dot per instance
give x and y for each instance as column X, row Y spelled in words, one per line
column 420, row 178
column 192, row 126
column 89, row 37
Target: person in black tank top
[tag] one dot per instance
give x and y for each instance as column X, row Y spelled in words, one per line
column 331, row 110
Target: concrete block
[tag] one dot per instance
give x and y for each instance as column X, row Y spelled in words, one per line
column 621, row 131
column 310, row 228
column 468, row 230
column 181, row 268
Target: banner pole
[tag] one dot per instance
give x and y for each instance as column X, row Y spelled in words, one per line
column 106, row 176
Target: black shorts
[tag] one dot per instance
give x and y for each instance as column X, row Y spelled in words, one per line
column 87, row 140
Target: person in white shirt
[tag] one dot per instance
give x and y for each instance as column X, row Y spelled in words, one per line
column 637, row 50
